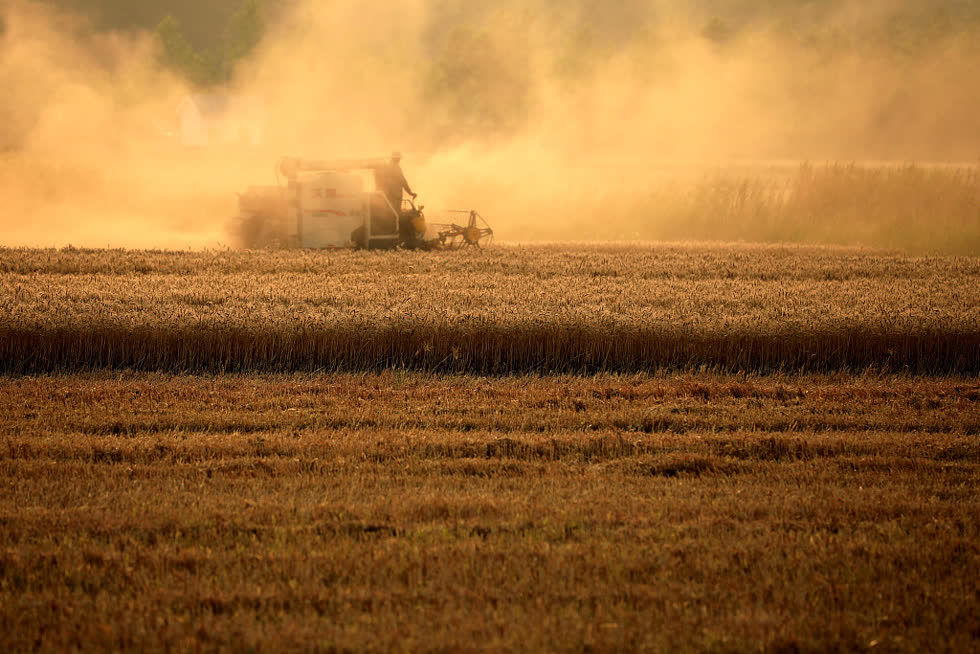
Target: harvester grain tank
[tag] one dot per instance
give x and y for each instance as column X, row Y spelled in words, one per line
column 330, row 204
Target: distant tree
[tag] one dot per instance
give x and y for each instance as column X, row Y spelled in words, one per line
column 717, row 30
column 245, row 30
column 480, row 85
column 215, row 65
column 178, row 54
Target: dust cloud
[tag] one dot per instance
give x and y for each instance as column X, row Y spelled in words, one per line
column 545, row 116
column 88, row 155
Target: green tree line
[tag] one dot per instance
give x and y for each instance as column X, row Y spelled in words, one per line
column 201, row 40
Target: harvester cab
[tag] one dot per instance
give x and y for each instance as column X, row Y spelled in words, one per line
column 333, row 204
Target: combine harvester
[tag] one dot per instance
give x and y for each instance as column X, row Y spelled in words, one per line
column 325, row 204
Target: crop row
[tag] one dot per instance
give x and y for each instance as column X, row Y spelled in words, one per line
column 486, row 349
column 516, row 309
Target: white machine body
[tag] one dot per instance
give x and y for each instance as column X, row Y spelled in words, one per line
column 331, row 207
column 325, row 204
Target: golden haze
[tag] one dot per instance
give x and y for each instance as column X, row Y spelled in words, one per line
column 493, row 107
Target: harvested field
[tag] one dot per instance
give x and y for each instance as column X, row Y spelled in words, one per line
column 580, row 309
column 412, row 511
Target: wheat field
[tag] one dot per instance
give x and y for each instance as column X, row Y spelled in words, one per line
column 513, row 309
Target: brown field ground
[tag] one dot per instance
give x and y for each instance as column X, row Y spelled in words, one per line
column 692, row 448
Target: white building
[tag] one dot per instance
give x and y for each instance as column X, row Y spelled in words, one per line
column 220, row 120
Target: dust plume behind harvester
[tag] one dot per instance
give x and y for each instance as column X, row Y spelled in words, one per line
column 353, row 203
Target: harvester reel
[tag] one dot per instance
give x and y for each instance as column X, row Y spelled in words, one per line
column 473, row 234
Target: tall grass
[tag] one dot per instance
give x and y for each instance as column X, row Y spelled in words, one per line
column 913, row 207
